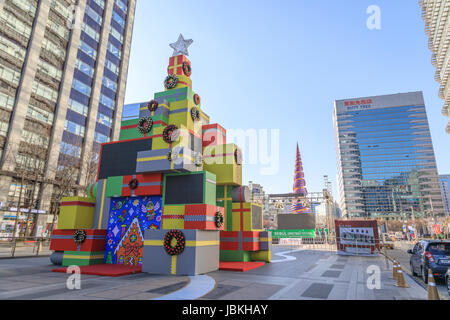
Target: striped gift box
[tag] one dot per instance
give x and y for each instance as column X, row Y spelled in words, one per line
column 214, row 134
column 80, row 258
column 202, row 217
column 239, row 240
column 63, row 240
column 148, row 185
column 76, row 213
column 173, row 217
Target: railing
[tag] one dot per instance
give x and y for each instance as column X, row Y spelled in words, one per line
column 11, row 247
column 327, row 243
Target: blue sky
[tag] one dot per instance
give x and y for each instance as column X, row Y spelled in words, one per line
column 281, row 64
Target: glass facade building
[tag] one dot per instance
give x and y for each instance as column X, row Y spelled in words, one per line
column 63, row 70
column 444, row 181
column 386, row 162
column 436, row 16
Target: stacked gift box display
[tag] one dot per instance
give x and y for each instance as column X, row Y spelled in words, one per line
column 169, row 194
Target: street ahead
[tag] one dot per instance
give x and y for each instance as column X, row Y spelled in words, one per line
column 294, row 275
column 400, row 253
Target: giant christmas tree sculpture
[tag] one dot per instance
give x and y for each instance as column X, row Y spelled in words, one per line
column 169, row 194
column 300, row 204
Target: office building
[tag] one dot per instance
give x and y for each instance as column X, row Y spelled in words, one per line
column 444, row 181
column 386, row 162
column 436, row 15
column 63, row 72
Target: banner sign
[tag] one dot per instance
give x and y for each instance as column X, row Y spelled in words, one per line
column 278, row 234
column 357, row 237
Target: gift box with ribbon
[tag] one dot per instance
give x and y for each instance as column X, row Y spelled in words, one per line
column 142, row 185
column 76, row 213
column 225, row 200
column 214, row 134
column 80, row 258
column 204, row 217
column 178, row 159
column 173, row 217
column 225, row 161
column 239, row 240
column 179, row 65
column 159, row 118
column 189, row 188
column 265, row 241
column 235, row 255
column 181, row 252
column 246, row 216
column 65, row 240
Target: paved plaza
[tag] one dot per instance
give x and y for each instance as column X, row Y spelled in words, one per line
column 294, row 275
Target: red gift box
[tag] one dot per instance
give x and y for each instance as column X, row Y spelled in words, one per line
column 202, row 217
column 214, row 134
column 150, row 184
column 63, row 240
column 176, row 65
column 239, row 240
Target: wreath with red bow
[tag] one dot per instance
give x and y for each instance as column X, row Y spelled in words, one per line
column 134, row 184
column 171, row 81
column 195, row 114
column 197, row 99
column 145, row 125
column 169, row 134
column 79, row 236
column 187, row 68
column 179, row 246
column 219, row 219
column 152, row 105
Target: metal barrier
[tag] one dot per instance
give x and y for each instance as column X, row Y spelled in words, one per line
column 11, row 247
column 317, row 243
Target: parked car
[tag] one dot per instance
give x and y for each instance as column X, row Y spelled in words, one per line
column 448, row 281
column 434, row 254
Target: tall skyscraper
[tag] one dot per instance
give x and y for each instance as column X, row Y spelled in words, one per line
column 63, row 72
column 436, row 15
column 444, row 181
column 386, row 161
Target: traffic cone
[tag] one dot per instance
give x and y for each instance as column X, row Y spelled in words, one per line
column 394, row 270
column 432, row 290
column 401, row 279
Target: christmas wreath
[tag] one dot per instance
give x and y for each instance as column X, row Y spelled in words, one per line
column 171, row 81
column 145, row 125
column 197, row 99
column 152, row 105
column 187, row 68
column 195, row 114
column 134, row 184
column 170, row 133
column 180, row 242
column 238, row 156
column 219, row 219
column 79, row 236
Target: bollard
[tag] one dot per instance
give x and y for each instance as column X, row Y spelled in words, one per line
column 394, row 270
column 432, row 290
column 401, row 279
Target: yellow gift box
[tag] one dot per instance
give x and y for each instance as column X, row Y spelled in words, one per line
column 173, row 217
column 246, row 216
column 222, row 160
column 76, row 213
